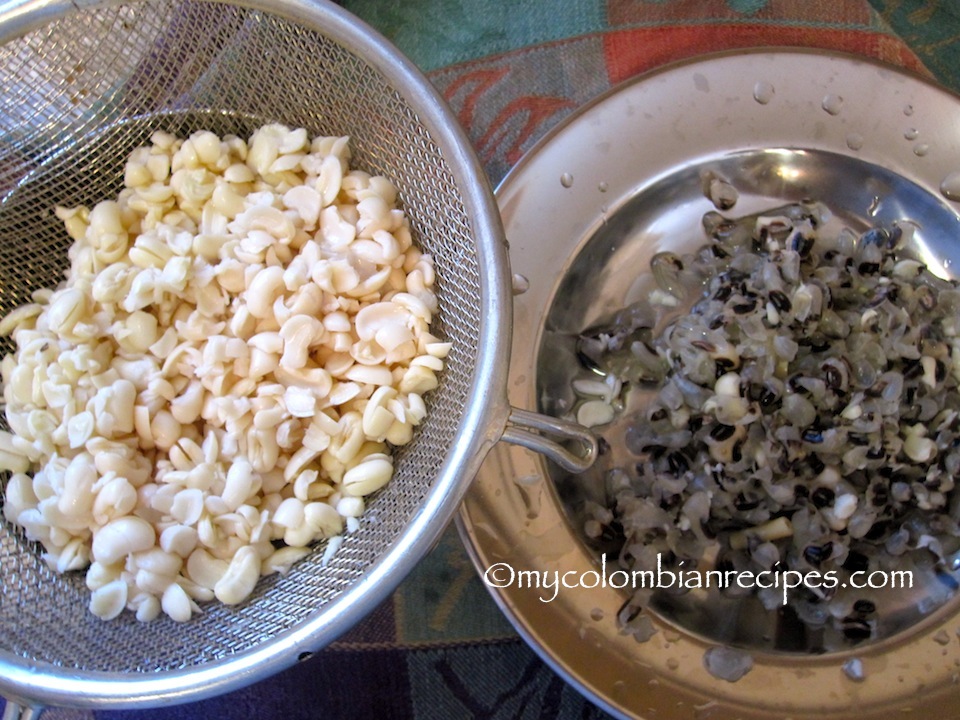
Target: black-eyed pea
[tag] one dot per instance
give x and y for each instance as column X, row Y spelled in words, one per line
column 340, row 361
column 109, row 600
column 416, row 408
column 261, row 534
column 306, row 201
column 262, row 290
column 241, row 577
column 416, row 305
column 300, row 536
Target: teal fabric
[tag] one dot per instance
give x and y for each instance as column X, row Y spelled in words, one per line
column 931, row 29
column 435, row 33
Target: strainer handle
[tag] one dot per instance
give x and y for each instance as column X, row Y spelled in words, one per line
column 571, row 446
column 15, row 711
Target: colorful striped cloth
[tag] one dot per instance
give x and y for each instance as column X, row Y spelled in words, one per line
column 512, row 69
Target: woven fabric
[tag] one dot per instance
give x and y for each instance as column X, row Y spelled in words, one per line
column 511, row 70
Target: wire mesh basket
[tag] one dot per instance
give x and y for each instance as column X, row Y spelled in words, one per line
column 86, row 83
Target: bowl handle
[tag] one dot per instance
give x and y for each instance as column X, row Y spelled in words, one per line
column 571, row 446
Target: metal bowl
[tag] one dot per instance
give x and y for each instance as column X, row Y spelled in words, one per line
column 584, row 212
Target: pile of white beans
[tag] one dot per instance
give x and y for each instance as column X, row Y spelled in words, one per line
column 241, row 336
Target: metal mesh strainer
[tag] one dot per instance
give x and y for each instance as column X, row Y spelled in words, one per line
column 85, row 83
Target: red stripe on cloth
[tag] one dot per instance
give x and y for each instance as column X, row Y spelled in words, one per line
column 629, row 52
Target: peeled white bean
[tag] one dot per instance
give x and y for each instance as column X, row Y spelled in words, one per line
column 323, row 519
column 241, row 577
column 179, row 539
column 281, row 560
column 187, row 506
column 179, row 400
column 108, row 601
column 176, row 603
column 369, row 476
column 121, row 537
column 204, row 569
column 239, row 484
column 289, row 514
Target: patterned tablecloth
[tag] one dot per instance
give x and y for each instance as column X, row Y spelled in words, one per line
column 512, row 69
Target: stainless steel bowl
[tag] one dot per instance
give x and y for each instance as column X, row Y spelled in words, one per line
column 584, row 212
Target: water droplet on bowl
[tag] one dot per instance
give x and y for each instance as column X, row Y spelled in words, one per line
column 673, row 663
column 950, row 186
column 911, row 133
column 727, row 663
column 763, row 92
column 854, row 141
column 921, row 149
column 853, row 669
column 602, row 187
column 566, row 180
column 832, row 104
column 520, row 284
column 596, row 614
column 908, row 109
